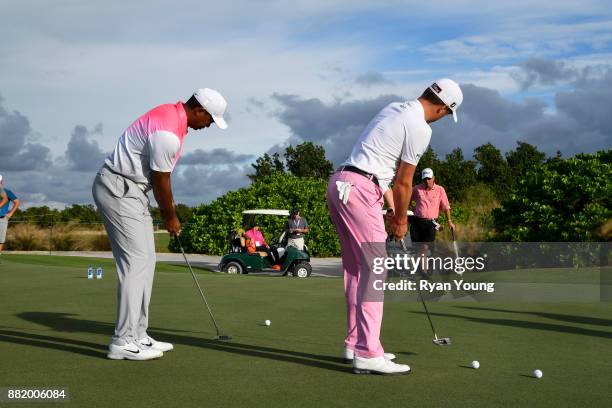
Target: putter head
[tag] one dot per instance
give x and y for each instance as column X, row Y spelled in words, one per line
column 223, row 337
column 443, row 341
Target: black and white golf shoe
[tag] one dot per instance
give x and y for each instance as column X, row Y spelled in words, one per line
column 150, row 342
column 131, row 351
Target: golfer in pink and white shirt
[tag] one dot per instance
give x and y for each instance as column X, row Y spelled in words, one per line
column 143, row 160
column 388, row 149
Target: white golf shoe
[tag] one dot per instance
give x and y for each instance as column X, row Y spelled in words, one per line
column 150, row 342
column 349, row 355
column 378, row 365
column 131, row 351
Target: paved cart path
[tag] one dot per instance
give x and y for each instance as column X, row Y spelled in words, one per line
column 327, row 267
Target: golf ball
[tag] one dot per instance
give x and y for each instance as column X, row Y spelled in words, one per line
column 537, row 373
column 475, row 364
column 267, row 322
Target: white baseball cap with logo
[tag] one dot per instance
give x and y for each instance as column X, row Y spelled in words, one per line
column 449, row 92
column 214, row 103
column 427, row 173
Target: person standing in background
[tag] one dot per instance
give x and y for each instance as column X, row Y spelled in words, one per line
column 6, row 210
column 429, row 198
column 296, row 227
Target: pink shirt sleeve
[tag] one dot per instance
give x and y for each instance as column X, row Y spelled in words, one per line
column 444, row 204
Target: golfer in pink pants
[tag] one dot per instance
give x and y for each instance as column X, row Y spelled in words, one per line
column 358, row 221
column 388, row 150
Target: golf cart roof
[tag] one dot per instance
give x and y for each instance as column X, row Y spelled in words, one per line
column 267, row 212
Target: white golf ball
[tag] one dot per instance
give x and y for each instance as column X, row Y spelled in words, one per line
column 267, row 322
column 475, row 364
column 537, row 373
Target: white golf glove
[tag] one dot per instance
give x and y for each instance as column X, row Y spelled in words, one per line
column 344, row 190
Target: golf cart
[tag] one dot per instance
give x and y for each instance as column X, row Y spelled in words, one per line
column 240, row 261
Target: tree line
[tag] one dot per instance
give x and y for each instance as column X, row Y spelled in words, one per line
column 488, row 166
column 85, row 214
column 528, row 196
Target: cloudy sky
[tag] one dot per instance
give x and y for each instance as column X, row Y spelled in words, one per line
column 74, row 74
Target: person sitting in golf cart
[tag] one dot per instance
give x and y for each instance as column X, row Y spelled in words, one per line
column 255, row 242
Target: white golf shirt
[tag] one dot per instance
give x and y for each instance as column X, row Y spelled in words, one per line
column 152, row 143
column 398, row 131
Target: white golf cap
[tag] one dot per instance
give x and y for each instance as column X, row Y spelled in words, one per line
column 0, row 178
column 427, row 173
column 214, row 103
column 450, row 93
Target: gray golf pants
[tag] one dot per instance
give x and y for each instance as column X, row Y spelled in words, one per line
column 3, row 228
column 125, row 211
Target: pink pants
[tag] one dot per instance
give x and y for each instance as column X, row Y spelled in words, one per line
column 359, row 220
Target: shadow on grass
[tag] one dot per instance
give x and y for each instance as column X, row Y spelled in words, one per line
column 406, row 353
column 56, row 343
column 553, row 316
column 66, row 323
column 525, row 324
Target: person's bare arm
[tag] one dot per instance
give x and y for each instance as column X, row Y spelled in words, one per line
column 448, row 218
column 402, row 194
column 14, row 208
column 162, row 191
column 412, row 203
column 388, row 195
column 3, row 200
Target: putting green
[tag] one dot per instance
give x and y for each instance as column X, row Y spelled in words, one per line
column 55, row 326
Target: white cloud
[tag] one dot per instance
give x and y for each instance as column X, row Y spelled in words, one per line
column 521, row 40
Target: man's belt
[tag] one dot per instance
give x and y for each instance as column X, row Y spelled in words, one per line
column 365, row 174
column 433, row 221
column 415, row 217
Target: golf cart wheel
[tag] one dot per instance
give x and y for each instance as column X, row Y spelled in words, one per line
column 302, row 270
column 233, row 268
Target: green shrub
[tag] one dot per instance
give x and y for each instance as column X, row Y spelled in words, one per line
column 561, row 200
column 210, row 224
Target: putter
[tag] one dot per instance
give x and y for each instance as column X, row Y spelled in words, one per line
column 439, row 341
column 222, row 337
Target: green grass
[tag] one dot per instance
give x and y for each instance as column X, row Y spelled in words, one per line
column 55, row 326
